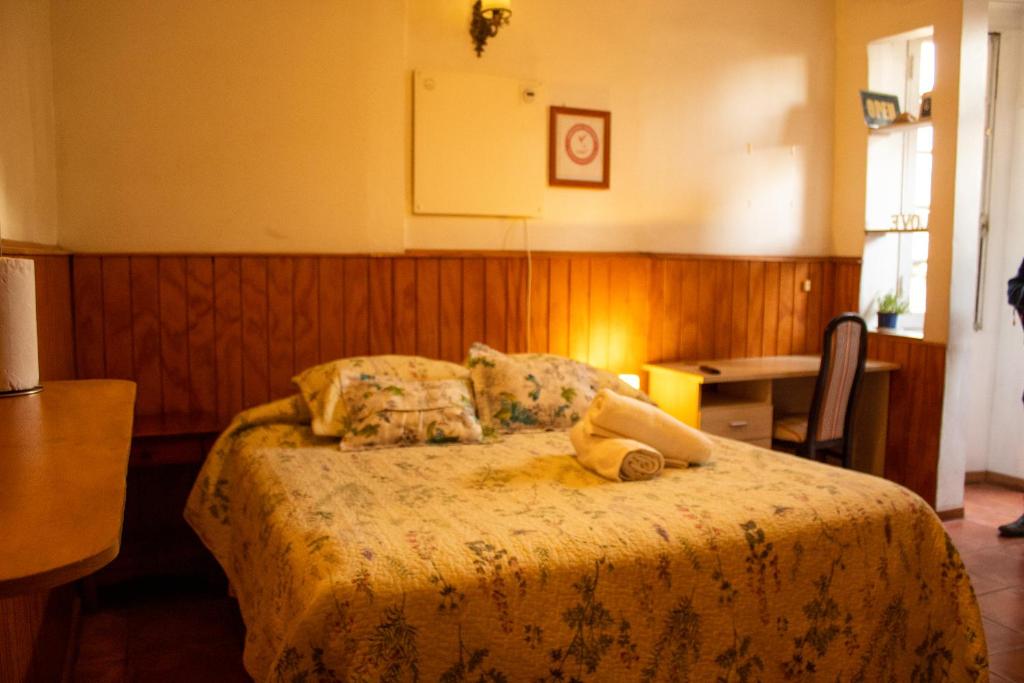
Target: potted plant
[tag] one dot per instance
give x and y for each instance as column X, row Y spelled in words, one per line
column 889, row 308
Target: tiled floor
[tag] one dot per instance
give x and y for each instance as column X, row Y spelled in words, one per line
column 175, row 633
column 996, row 566
column 185, row 633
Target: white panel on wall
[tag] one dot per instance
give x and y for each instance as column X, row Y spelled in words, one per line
column 479, row 145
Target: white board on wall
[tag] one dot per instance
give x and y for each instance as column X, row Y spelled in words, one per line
column 479, row 145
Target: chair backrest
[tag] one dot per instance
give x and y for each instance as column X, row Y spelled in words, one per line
column 844, row 350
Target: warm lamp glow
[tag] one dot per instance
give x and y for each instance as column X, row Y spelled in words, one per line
column 491, row 5
column 631, row 379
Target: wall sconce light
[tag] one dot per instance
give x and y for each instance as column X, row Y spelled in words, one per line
column 488, row 17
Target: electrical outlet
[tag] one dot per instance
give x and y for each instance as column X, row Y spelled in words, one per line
column 807, row 285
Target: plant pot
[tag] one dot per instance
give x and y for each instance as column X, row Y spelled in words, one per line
column 887, row 321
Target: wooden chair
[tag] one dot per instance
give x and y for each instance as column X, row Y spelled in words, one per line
column 829, row 424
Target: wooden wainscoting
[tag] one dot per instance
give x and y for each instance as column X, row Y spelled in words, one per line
column 211, row 335
column 915, row 410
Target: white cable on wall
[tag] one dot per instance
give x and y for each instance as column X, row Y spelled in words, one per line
column 529, row 284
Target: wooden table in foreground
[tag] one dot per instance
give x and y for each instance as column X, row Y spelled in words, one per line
column 63, row 466
column 742, row 401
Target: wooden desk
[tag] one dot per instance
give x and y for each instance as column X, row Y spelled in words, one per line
column 63, row 466
column 743, row 401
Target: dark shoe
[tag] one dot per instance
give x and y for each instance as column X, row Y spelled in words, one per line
column 1014, row 529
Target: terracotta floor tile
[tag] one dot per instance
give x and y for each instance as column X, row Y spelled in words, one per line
column 104, row 637
column 986, row 584
column 194, row 663
column 1008, row 664
column 1000, row 638
column 1005, row 607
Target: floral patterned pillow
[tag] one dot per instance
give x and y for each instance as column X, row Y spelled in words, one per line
column 321, row 385
column 518, row 393
column 389, row 411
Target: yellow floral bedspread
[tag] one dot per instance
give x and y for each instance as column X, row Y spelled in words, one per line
column 509, row 562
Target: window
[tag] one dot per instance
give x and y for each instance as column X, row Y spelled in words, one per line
column 899, row 181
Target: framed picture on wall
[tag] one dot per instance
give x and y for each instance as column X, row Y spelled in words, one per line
column 579, row 148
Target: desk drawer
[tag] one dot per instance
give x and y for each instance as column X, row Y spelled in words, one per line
column 740, row 421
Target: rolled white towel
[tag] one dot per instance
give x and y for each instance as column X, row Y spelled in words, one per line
column 614, row 415
column 617, row 459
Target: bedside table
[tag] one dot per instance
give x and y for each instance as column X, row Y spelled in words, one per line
column 63, row 467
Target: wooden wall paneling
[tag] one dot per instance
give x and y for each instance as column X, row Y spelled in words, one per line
column 428, row 308
column 54, row 317
column 755, row 309
column 451, row 310
column 579, row 308
column 227, row 286
column 828, row 292
column 800, row 275
column 815, row 324
column 723, row 309
column 929, row 430
column 638, row 287
column 689, row 340
column 847, row 287
column 784, row 345
column 332, row 308
column 255, row 331
column 174, row 337
column 516, row 291
column 202, row 342
column 558, row 306
column 706, row 309
column 915, row 411
column 770, row 330
column 147, row 335
column 600, row 272
column 900, row 394
column 496, row 303
column 740, row 309
column 539, row 321
column 306, row 311
column 356, row 290
column 382, row 306
column 670, row 315
column 404, row 306
column 656, row 308
column 281, row 325
column 474, row 302
column 90, row 361
column 620, row 321
column 117, row 317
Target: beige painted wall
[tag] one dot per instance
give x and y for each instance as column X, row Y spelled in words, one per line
column 858, row 22
column 28, row 199
column 272, row 125
column 231, row 125
column 690, row 85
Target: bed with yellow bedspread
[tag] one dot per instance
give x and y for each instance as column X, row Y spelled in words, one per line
column 508, row 561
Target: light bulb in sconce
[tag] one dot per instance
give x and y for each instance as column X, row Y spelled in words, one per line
column 631, row 379
column 488, row 17
column 492, row 5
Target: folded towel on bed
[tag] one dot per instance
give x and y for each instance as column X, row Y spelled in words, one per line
column 613, row 415
column 617, row 459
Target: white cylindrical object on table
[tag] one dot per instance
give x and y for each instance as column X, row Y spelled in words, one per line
column 19, row 349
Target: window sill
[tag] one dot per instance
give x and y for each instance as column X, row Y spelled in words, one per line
column 906, row 334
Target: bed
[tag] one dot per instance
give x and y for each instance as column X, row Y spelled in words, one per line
column 507, row 561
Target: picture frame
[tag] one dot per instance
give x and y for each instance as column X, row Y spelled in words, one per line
column 579, row 148
column 880, row 109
